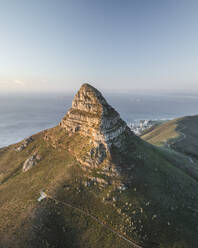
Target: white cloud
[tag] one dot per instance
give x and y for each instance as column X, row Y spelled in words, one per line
column 19, row 82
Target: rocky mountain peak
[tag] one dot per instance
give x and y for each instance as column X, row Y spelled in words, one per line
column 91, row 115
column 89, row 99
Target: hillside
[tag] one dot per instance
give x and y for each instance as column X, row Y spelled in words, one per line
column 180, row 134
column 161, row 135
column 105, row 186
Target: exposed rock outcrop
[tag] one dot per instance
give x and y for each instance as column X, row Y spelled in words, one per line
column 106, row 133
column 31, row 161
column 24, row 144
column 92, row 116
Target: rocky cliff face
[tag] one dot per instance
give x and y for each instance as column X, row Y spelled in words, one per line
column 92, row 116
column 93, row 165
column 94, row 119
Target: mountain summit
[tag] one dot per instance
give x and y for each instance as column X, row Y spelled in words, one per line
column 90, row 182
column 92, row 116
column 101, row 126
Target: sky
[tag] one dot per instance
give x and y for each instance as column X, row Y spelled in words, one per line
column 116, row 45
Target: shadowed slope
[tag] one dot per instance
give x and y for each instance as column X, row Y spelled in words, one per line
column 120, row 179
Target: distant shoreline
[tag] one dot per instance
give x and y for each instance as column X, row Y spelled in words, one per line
column 20, row 117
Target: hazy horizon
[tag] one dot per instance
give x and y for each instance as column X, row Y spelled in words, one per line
column 26, row 114
column 122, row 91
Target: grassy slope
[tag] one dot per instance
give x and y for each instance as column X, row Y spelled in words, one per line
column 189, row 145
column 181, row 134
column 156, row 209
column 161, row 134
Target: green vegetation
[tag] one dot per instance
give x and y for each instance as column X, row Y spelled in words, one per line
column 160, row 135
column 179, row 134
column 157, row 209
column 148, row 194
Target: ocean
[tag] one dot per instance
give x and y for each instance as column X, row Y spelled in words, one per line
column 24, row 115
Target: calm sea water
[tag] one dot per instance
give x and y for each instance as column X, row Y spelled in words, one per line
column 24, row 115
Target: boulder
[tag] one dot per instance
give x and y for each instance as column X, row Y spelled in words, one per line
column 30, row 162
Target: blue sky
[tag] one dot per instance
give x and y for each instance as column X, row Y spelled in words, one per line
column 115, row 45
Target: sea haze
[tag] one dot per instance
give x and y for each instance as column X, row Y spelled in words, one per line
column 24, row 115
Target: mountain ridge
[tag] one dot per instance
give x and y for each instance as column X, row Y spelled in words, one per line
column 125, row 182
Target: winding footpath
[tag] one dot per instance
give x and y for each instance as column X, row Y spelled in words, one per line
column 44, row 195
column 134, row 245
column 179, row 139
column 183, row 136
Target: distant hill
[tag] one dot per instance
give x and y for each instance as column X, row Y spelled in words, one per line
column 101, row 185
column 180, row 134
